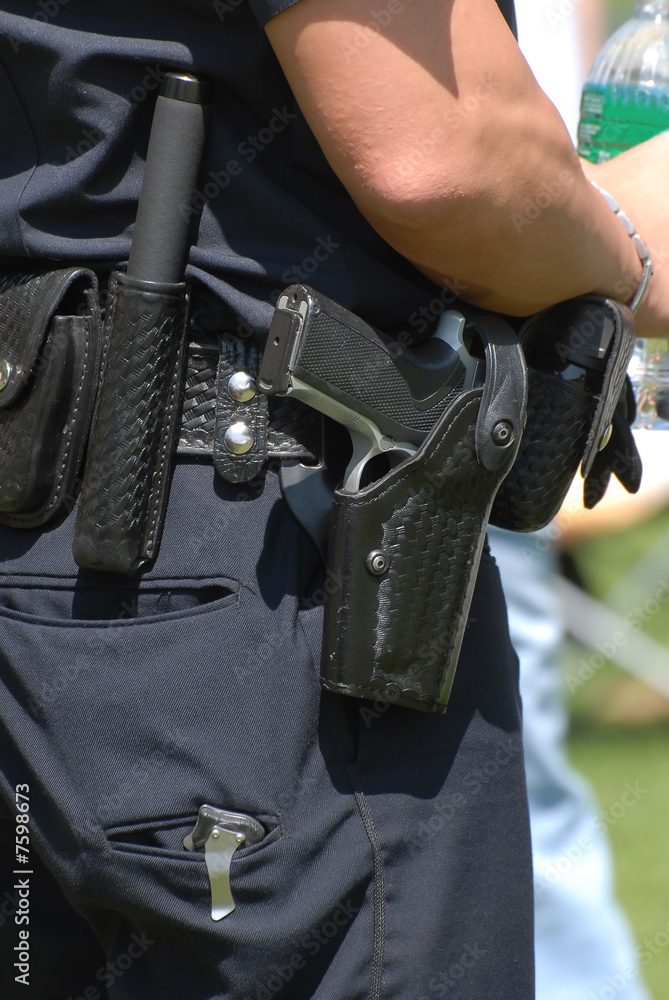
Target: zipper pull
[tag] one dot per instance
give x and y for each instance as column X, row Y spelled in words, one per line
column 220, row 832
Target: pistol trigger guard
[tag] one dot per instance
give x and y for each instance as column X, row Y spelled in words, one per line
column 503, row 411
column 365, row 448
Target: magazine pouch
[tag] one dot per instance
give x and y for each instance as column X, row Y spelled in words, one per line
column 49, row 359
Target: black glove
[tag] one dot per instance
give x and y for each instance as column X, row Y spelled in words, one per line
column 577, row 355
column 619, row 456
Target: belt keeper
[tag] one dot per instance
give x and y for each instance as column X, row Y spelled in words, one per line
column 242, row 417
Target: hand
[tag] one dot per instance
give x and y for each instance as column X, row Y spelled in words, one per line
column 637, row 179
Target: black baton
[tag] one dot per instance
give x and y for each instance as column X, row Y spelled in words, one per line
column 162, row 234
column 127, row 474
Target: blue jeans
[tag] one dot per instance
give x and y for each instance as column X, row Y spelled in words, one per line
column 584, row 948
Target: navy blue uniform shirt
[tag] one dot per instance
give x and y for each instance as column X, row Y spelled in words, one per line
column 78, row 83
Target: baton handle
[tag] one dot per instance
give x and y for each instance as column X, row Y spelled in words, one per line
column 161, row 237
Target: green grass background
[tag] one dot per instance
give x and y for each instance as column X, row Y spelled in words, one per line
column 620, row 733
column 618, row 12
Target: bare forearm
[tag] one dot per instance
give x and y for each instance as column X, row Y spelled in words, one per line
column 519, row 243
column 448, row 146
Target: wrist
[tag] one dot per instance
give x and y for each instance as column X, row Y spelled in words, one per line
column 633, row 287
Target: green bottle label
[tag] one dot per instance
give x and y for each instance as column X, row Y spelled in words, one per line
column 615, row 118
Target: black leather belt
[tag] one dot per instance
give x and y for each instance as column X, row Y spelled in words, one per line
column 226, row 418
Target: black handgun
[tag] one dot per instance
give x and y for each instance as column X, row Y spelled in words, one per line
column 405, row 542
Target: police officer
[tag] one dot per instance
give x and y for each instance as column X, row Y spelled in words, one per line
column 383, row 152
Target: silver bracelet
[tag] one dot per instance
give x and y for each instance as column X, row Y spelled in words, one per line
column 639, row 245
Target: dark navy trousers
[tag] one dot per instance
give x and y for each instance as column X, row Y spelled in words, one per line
column 395, row 863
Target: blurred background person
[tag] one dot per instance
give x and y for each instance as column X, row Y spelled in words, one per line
column 583, row 943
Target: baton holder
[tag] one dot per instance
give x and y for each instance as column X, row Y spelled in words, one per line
column 128, row 468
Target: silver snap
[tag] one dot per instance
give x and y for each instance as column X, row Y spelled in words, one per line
column 241, row 387
column 5, row 374
column 239, row 438
column 377, row 562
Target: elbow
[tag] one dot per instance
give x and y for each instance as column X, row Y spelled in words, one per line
column 412, row 202
column 414, row 193
column 471, row 216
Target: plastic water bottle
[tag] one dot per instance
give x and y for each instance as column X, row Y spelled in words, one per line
column 625, row 101
column 649, row 373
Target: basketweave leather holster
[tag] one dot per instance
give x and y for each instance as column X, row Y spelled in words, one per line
column 406, row 549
